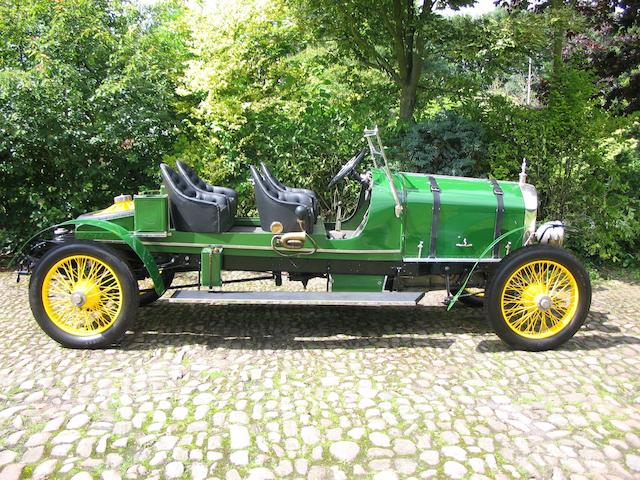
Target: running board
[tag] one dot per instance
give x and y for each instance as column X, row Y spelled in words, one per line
column 298, row 298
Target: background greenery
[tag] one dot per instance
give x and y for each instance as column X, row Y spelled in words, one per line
column 94, row 94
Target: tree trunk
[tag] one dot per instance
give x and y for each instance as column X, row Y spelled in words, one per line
column 408, row 102
column 557, row 41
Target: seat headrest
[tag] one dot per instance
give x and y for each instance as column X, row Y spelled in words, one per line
column 175, row 181
column 264, row 185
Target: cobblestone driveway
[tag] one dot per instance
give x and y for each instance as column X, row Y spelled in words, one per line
column 200, row 391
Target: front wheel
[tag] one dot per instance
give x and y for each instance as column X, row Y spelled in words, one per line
column 472, row 297
column 538, row 298
column 83, row 295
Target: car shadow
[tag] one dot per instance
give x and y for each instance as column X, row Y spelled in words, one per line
column 580, row 342
column 297, row 327
column 598, row 321
column 320, row 327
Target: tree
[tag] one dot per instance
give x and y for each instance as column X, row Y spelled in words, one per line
column 393, row 36
column 611, row 46
column 562, row 18
column 259, row 89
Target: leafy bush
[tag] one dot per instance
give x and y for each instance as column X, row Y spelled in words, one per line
column 446, row 144
column 86, row 106
column 265, row 94
column 609, row 226
column 583, row 162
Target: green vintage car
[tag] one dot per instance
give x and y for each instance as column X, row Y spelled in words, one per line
column 409, row 233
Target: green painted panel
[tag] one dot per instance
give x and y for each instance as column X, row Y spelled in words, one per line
column 151, row 212
column 357, row 283
column 379, row 238
column 468, row 211
column 211, row 267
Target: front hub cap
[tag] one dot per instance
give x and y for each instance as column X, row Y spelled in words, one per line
column 78, row 299
column 544, row 302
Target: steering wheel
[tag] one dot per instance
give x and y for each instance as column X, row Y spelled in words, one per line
column 348, row 167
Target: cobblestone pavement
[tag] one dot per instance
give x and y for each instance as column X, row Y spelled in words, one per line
column 320, row 393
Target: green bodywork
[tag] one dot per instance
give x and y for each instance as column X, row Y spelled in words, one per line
column 126, row 237
column 468, row 211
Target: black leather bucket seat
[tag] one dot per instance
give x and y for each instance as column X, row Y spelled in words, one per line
column 281, row 206
column 196, row 182
column 268, row 176
column 193, row 210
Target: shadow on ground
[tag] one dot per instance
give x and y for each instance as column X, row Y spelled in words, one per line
column 311, row 327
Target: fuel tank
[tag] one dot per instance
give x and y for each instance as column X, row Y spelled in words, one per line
column 465, row 224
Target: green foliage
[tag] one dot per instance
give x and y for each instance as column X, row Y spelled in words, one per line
column 446, row 144
column 610, row 227
column 273, row 97
column 583, row 162
column 94, row 94
column 86, row 105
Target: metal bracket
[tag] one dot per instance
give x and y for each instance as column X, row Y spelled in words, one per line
column 464, row 244
column 497, row 191
column 435, row 216
column 370, row 134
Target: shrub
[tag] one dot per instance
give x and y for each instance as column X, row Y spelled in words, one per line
column 583, row 162
column 86, row 111
column 448, row 143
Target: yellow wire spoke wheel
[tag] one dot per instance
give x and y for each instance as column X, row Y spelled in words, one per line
column 540, row 299
column 82, row 295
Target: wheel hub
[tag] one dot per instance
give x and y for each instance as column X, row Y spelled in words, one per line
column 78, row 298
column 86, row 294
column 544, row 302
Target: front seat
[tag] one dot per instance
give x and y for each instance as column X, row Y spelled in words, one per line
column 276, row 206
column 268, row 176
column 196, row 182
column 193, row 210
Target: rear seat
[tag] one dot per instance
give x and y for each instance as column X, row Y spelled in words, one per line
column 196, row 182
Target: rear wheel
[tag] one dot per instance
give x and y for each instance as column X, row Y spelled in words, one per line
column 538, row 298
column 83, row 295
column 147, row 293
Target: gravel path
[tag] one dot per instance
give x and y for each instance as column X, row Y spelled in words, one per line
column 320, row 393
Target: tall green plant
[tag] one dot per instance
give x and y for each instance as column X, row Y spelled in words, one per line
column 578, row 159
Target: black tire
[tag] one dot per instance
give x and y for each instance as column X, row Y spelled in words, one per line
column 511, row 264
column 150, row 295
column 128, row 295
